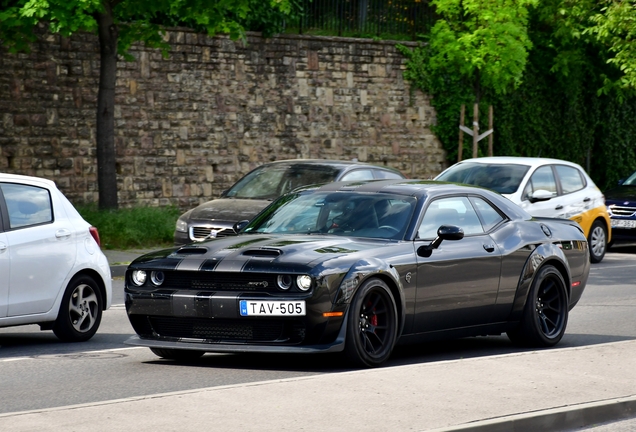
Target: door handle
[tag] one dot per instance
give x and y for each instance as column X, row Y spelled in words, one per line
column 559, row 207
column 587, row 199
column 489, row 247
column 62, row 233
column 3, row 247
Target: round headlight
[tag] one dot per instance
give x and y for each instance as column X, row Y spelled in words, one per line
column 284, row 282
column 139, row 277
column 304, row 282
column 157, row 277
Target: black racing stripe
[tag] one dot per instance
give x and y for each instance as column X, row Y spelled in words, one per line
column 210, row 264
column 192, row 263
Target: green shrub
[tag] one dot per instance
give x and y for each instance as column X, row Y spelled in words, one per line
column 141, row 227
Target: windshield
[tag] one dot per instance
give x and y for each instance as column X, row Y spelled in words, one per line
column 372, row 215
column 504, row 179
column 271, row 181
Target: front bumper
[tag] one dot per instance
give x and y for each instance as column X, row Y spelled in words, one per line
column 210, row 321
column 201, row 345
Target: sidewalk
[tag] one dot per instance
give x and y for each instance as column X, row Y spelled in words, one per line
column 549, row 390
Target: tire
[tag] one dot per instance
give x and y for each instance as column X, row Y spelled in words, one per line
column 545, row 315
column 177, row 354
column 597, row 240
column 372, row 325
column 80, row 312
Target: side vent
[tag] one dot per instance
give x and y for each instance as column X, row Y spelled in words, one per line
column 269, row 253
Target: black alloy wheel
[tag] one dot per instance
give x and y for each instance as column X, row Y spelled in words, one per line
column 545, row 315
column 371, row 325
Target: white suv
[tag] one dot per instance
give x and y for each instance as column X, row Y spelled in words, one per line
column 544, row 188
column 53, row 272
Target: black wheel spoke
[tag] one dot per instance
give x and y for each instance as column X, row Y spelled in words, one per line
column 373, row 325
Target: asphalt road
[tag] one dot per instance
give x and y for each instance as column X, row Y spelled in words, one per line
column 37, row 371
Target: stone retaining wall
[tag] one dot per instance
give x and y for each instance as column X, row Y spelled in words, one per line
column 188, row 126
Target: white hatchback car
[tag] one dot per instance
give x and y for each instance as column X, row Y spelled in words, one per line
column 53, row 272
column 544, row 188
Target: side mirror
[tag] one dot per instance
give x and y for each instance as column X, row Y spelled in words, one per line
column 224, row 193
column 540, row 195
column 445, row 232
column 621, row 181
column 240, row 225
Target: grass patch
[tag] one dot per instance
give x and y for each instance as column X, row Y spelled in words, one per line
column 131, row 228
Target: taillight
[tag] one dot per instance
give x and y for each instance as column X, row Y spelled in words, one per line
column 95, row 235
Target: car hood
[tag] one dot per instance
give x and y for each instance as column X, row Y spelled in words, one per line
column 622, row 194
column 229, row 209
column 263, row 253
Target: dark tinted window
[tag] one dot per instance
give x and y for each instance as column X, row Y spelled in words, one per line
column 456, row 211
column 498, row 177
column 489, row 215
column 372, row 215
column 271, row 181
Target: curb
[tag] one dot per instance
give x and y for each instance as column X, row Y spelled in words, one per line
column 556, row 419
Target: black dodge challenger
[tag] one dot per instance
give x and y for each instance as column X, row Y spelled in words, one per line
column 359, row 267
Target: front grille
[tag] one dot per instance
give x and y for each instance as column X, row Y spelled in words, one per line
column 219, row 281
column 229, row 330
column 622, row 210
column 199, row 233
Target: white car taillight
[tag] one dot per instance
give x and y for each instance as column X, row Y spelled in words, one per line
column 95, row 235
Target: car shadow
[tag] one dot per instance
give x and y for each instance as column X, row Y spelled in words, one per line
column 457, row 349
column 37, row 343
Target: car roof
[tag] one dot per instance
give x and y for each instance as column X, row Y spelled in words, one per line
column 412, row 187
column 420, row 189
column 17, row 178
column 328, row 162
column 519, row 160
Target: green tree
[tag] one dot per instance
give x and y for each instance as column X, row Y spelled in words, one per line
column 485, row 41
column 118, row 24
column 476, row 47
column 615, row 27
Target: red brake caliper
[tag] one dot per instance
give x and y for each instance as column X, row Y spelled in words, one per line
column 374, row 320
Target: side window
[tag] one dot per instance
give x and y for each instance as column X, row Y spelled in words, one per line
column 27, row 205
column 361, row 174
column 383, row 174
column 489, row 215
column 570, row 178
column 456, row 211
column 542, row 179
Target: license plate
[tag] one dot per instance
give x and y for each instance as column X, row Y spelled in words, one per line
column 272, row 308
column 618, row 223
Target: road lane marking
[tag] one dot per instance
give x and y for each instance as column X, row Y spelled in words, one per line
column 34, row 357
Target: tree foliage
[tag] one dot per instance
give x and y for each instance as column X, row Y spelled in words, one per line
column 119, row 24
column 557, row 110
column 484, row 41
column 615, row 27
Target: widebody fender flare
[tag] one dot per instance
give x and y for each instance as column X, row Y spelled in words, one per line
column 365, row 269
column 543, row 254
